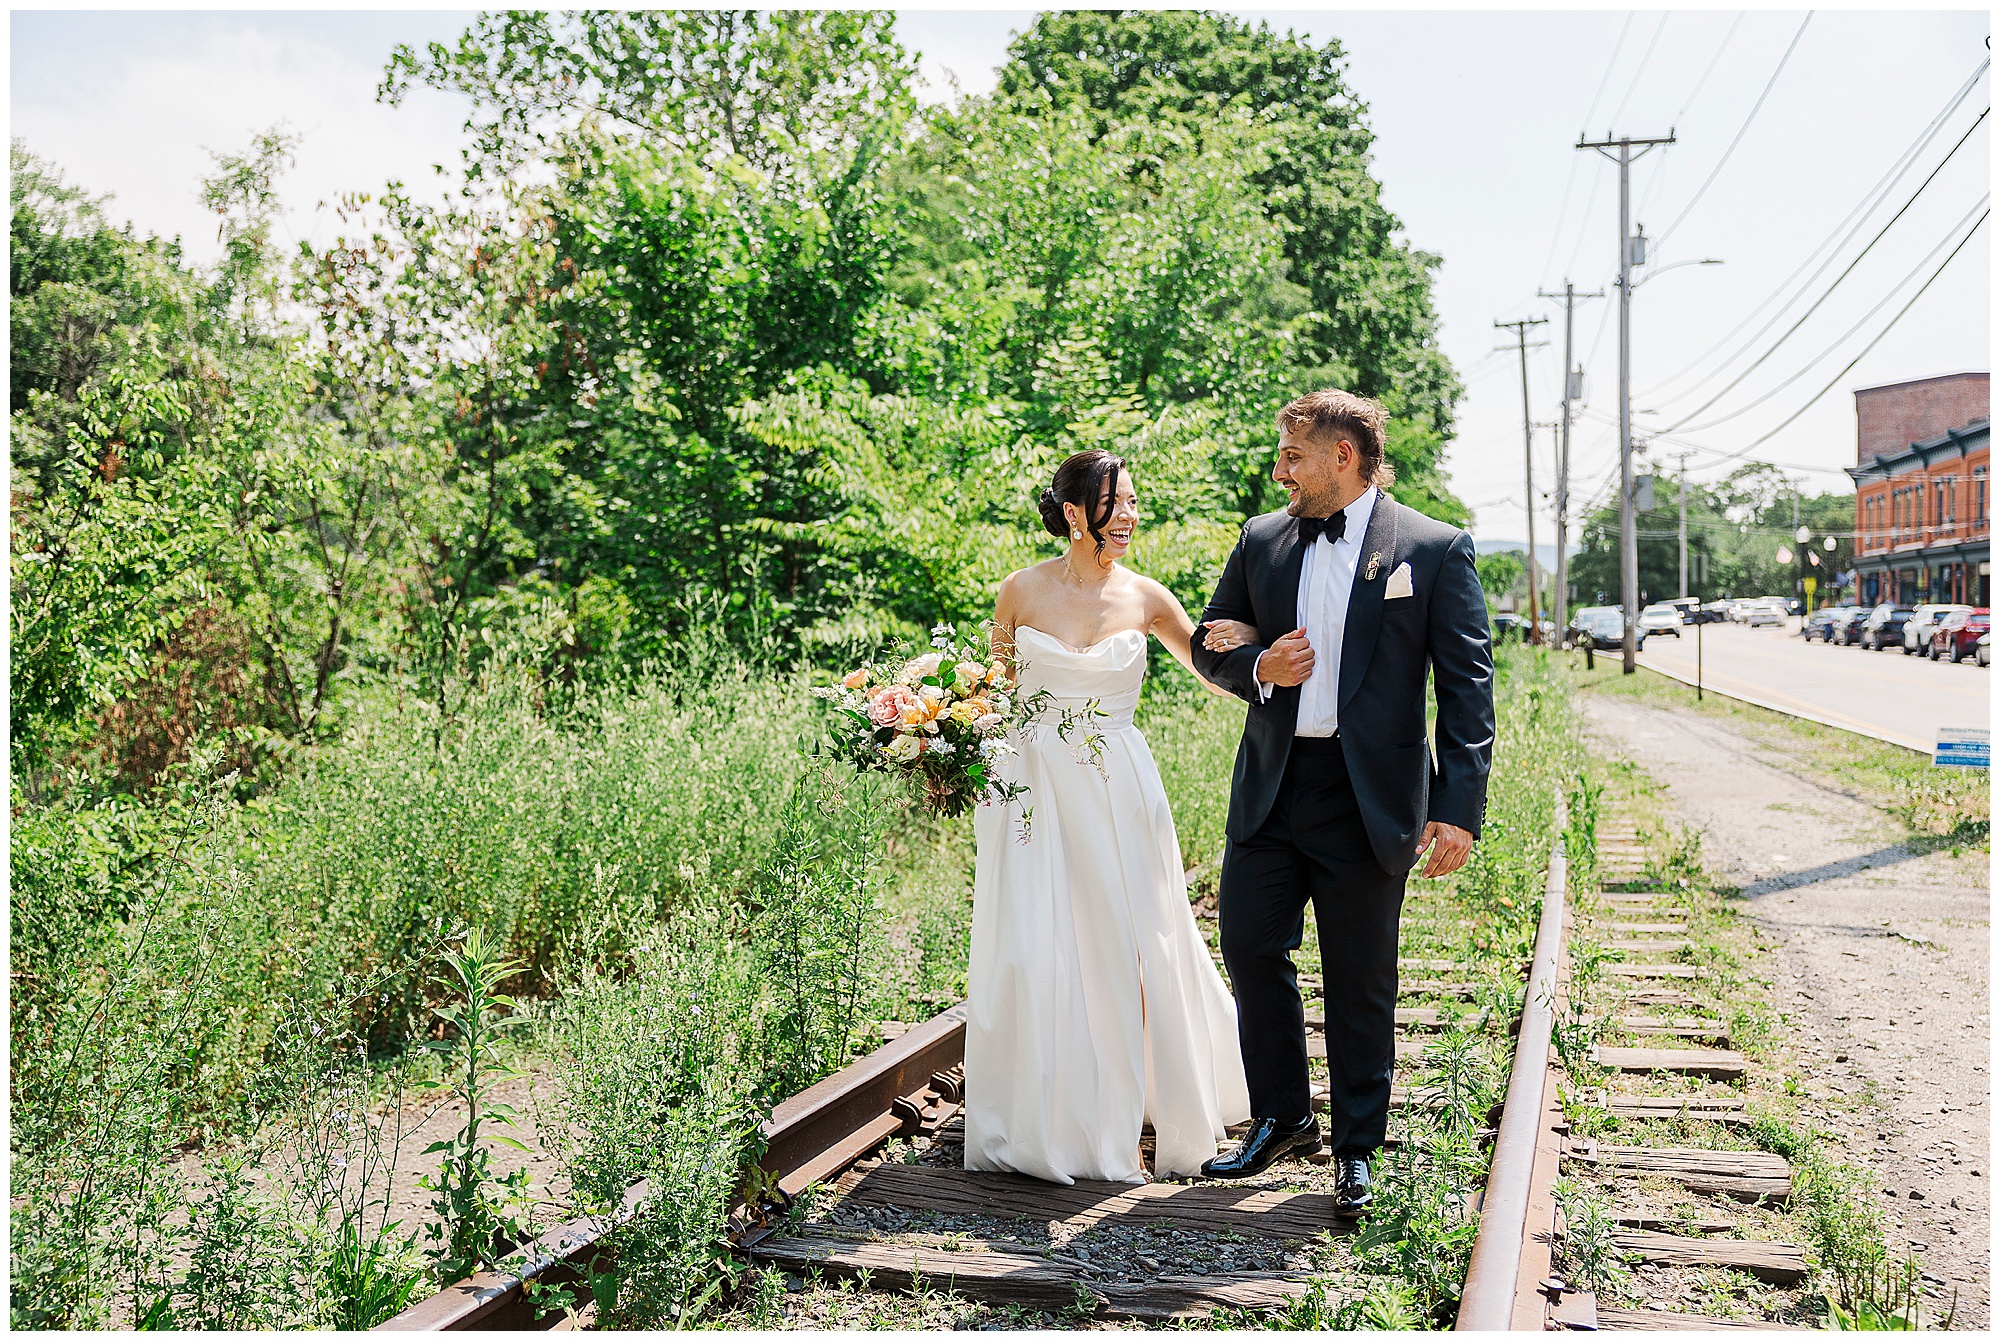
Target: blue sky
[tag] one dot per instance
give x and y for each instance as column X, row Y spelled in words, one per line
column 1475, row 115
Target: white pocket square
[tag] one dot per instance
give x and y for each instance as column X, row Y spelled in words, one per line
column 1399, row 583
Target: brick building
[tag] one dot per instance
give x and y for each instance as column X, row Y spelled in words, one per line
column 1922, row 502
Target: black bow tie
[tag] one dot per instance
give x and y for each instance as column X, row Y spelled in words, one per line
column 1312, row 528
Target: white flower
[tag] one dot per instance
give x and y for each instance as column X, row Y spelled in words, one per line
column 990, row 725
column 904, row 749
column 1001, row 703
column 932, row 695
column 943, row 747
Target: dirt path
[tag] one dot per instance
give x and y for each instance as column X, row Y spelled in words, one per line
column 1881, row 960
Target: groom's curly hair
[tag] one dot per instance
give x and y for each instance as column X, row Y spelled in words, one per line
column 1342, row 414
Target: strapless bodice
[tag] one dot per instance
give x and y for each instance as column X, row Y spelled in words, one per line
column 1110, row 671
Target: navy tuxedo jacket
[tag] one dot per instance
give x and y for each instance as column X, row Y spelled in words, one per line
column 1388, row 649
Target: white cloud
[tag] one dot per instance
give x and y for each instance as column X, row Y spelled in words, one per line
column 141, row 126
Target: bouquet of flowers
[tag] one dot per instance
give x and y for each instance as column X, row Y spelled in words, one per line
column 939, row 719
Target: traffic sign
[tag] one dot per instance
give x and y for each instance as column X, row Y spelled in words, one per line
column 1964, row 747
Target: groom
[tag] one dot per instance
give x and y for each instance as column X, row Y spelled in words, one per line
column 1335, row 796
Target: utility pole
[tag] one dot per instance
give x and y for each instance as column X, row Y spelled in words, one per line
column 1520, row 329
column 1572, row 392
column 1630, row 252
column 1684, row 525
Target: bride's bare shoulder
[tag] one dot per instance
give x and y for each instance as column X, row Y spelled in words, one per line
column 1032, row 578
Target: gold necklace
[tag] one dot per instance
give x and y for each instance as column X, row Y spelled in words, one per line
column 1070, row 572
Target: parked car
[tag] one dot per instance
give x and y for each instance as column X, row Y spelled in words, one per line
column 1844, row 625
column 1689, row 607
column 1763, row 614
column 1508, row 626
column 1602, row 626
column 1715, row 612
column 1917, row 632
column 1661, row 619
column 1957, row 634
column 1817, row 623
column 1982, row 651
column 1884, row 625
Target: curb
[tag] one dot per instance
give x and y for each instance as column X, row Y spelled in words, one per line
column 1849, row 727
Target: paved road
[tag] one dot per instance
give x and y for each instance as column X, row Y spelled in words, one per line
column 1885, row 694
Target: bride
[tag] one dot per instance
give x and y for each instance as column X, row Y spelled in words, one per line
column 1094, row 1004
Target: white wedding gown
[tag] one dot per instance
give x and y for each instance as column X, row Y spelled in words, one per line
column 1094, row 1004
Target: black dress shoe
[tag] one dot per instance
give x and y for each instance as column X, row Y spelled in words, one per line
column 1351, row 1189
column 1267, row 1141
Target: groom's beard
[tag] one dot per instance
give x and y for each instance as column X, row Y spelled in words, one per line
column 1315, row 503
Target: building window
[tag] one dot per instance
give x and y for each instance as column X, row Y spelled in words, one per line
column 1979, row 495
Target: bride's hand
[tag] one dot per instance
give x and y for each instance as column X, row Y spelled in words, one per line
column 1226, row 635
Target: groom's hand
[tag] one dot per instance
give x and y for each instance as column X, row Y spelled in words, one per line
column 1288, row 661
column 1449, row 845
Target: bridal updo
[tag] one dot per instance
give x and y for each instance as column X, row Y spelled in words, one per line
column 1089, row 480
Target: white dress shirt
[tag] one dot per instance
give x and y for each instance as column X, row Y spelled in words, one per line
column 1326, row 580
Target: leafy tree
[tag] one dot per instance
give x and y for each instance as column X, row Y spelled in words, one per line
column 1377, row 332
column 1500, row 572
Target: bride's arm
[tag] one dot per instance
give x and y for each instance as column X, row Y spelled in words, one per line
column 1175, row 631
column 1006, row 617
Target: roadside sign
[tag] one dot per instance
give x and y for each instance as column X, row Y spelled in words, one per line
column 1964, row 747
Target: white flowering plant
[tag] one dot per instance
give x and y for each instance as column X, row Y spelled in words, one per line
column 939, row 719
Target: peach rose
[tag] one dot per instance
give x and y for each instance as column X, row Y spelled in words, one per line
column 889, row 707
column 854, row 679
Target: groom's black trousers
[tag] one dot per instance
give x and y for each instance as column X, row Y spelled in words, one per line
column 1313, row 849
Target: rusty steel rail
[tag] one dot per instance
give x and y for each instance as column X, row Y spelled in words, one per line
column 809, row 1137
column 1516, row 1214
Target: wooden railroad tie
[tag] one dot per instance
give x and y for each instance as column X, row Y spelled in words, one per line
column 1650, row 970
column 1412, row 1017
column 1005, row 1273
column 1209, row 1207
column 1714, row 1063
column 1712, row 1031
column 1704, row 1108
column 1643, row 928
column 1648, row 1320
column 1747, row 1175
column 1648, row 947
column 1772, row 1263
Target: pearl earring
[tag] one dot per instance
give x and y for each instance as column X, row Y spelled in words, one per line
column 1076, row 535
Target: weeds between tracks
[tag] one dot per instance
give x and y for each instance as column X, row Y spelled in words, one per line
column 1854, row 1278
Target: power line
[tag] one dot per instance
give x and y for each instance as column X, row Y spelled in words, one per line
column 1714, row 61
column 1869, row 200
column 1829, row 350
column 1640, row 71
column 1562, row 213
column 1667, row 232
column 1876, row 341
column 1829, row 290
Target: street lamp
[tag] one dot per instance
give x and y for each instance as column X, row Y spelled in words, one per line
column 1675, row 266
column 1806, row 584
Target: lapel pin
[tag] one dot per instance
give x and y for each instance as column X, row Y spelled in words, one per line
column 1374, row 563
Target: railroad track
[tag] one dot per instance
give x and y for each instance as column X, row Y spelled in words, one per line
column 1678, row 1066
column 832, row 1134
